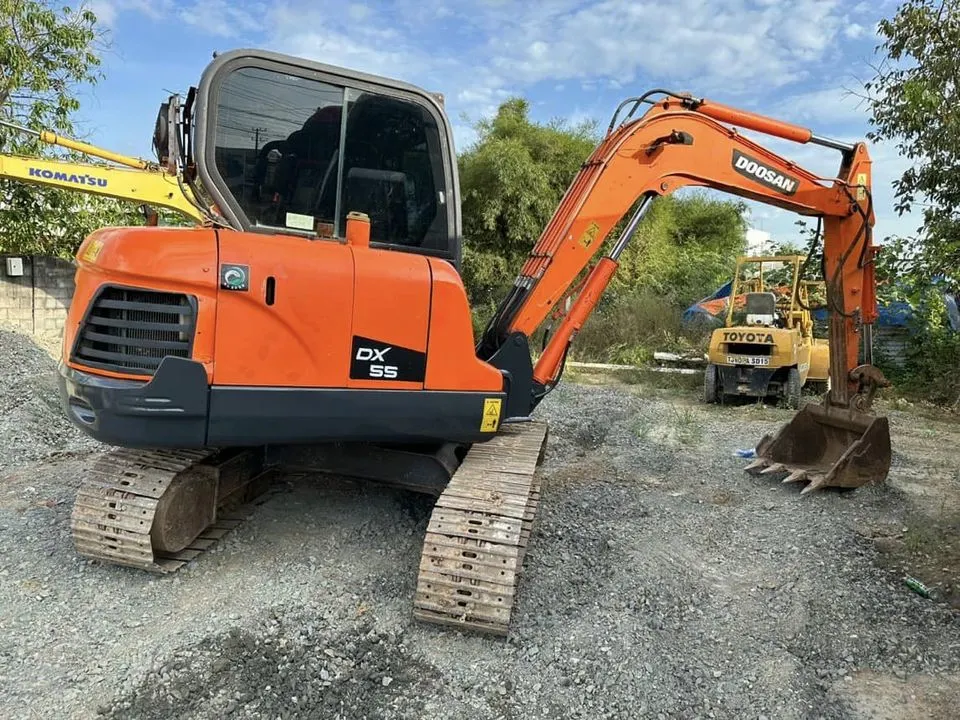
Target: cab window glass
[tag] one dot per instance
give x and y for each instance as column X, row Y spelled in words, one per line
column 300, row 153
column 277, row 147
column 393, row 172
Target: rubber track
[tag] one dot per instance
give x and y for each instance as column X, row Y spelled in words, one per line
column 478, row 534
column 116, row 502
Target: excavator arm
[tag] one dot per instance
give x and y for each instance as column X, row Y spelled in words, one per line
column 677, row 144
column 682, row 142
column 154, row 188
column 138, row 181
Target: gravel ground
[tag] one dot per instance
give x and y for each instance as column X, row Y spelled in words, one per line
column 661, row 581
column 31, row 425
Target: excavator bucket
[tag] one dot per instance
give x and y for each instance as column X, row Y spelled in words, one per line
column 827, row 447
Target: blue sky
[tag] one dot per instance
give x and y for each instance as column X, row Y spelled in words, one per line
column 795, row 59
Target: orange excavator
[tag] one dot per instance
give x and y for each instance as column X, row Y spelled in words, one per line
column 316, row 320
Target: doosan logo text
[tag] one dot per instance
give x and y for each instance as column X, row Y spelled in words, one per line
column 765, row 175
column 68, row 177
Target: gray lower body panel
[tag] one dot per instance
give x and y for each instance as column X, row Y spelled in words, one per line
column 177, row 409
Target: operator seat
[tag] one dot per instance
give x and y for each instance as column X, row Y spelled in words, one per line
column 761, row 308
column 307, row 159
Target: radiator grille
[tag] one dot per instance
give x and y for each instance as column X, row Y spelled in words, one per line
column 129, row 330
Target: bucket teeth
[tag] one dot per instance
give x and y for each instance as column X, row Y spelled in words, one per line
column 795, row 476
column 815, row 484
column 774, row 468
column 763, row 466
column 757, row 464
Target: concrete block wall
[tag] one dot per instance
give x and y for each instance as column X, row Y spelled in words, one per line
column 36, row 302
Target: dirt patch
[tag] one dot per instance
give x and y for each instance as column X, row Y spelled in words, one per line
column 294, row 665
column 920, row 538
column 927, row 550
column 882, row 696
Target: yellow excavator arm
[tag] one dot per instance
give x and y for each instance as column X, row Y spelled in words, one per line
column 139, row 181
column 152, row 187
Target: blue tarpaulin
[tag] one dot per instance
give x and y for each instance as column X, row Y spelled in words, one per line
column 896, row 314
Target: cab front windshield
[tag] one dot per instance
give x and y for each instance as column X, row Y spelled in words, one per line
column 298, row 153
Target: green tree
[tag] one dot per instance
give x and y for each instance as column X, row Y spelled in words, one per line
column 512, row 179
column 913, row 99
column 47, row 52
column 684, row 248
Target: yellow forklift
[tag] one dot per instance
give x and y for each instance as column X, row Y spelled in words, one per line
column 767, row 347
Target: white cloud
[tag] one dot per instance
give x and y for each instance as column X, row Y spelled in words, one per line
column 223, row 18
column 105, row 10
column 358, row 11
column 830, row 107
column 337, row 49
column 732, row 45
column 854, row 31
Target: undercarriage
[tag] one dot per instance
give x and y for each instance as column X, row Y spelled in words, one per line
column 158, row 510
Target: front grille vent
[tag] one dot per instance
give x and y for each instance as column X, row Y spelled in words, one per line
column 129, row 330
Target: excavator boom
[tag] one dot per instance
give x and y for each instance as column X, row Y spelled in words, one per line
column 681, row 142
column 136, row 181
column 152, row 187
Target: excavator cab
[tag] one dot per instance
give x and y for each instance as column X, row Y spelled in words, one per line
column 292, row 148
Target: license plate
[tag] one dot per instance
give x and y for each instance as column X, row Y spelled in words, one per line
column 748, row 359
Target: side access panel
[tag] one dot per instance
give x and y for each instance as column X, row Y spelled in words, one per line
column 391, row 315
column 284, row 311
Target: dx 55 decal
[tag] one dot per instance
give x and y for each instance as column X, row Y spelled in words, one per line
column 374, row 360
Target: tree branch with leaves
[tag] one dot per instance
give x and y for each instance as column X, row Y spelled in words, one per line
column 47, row 53
column 914, row 97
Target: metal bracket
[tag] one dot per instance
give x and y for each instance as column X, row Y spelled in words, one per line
column 869, row 379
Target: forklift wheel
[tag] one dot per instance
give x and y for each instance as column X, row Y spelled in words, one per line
column 710, row 377
column 793, row 389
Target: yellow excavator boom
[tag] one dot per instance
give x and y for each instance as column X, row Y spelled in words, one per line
column 152, row 187
column 139, row 181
